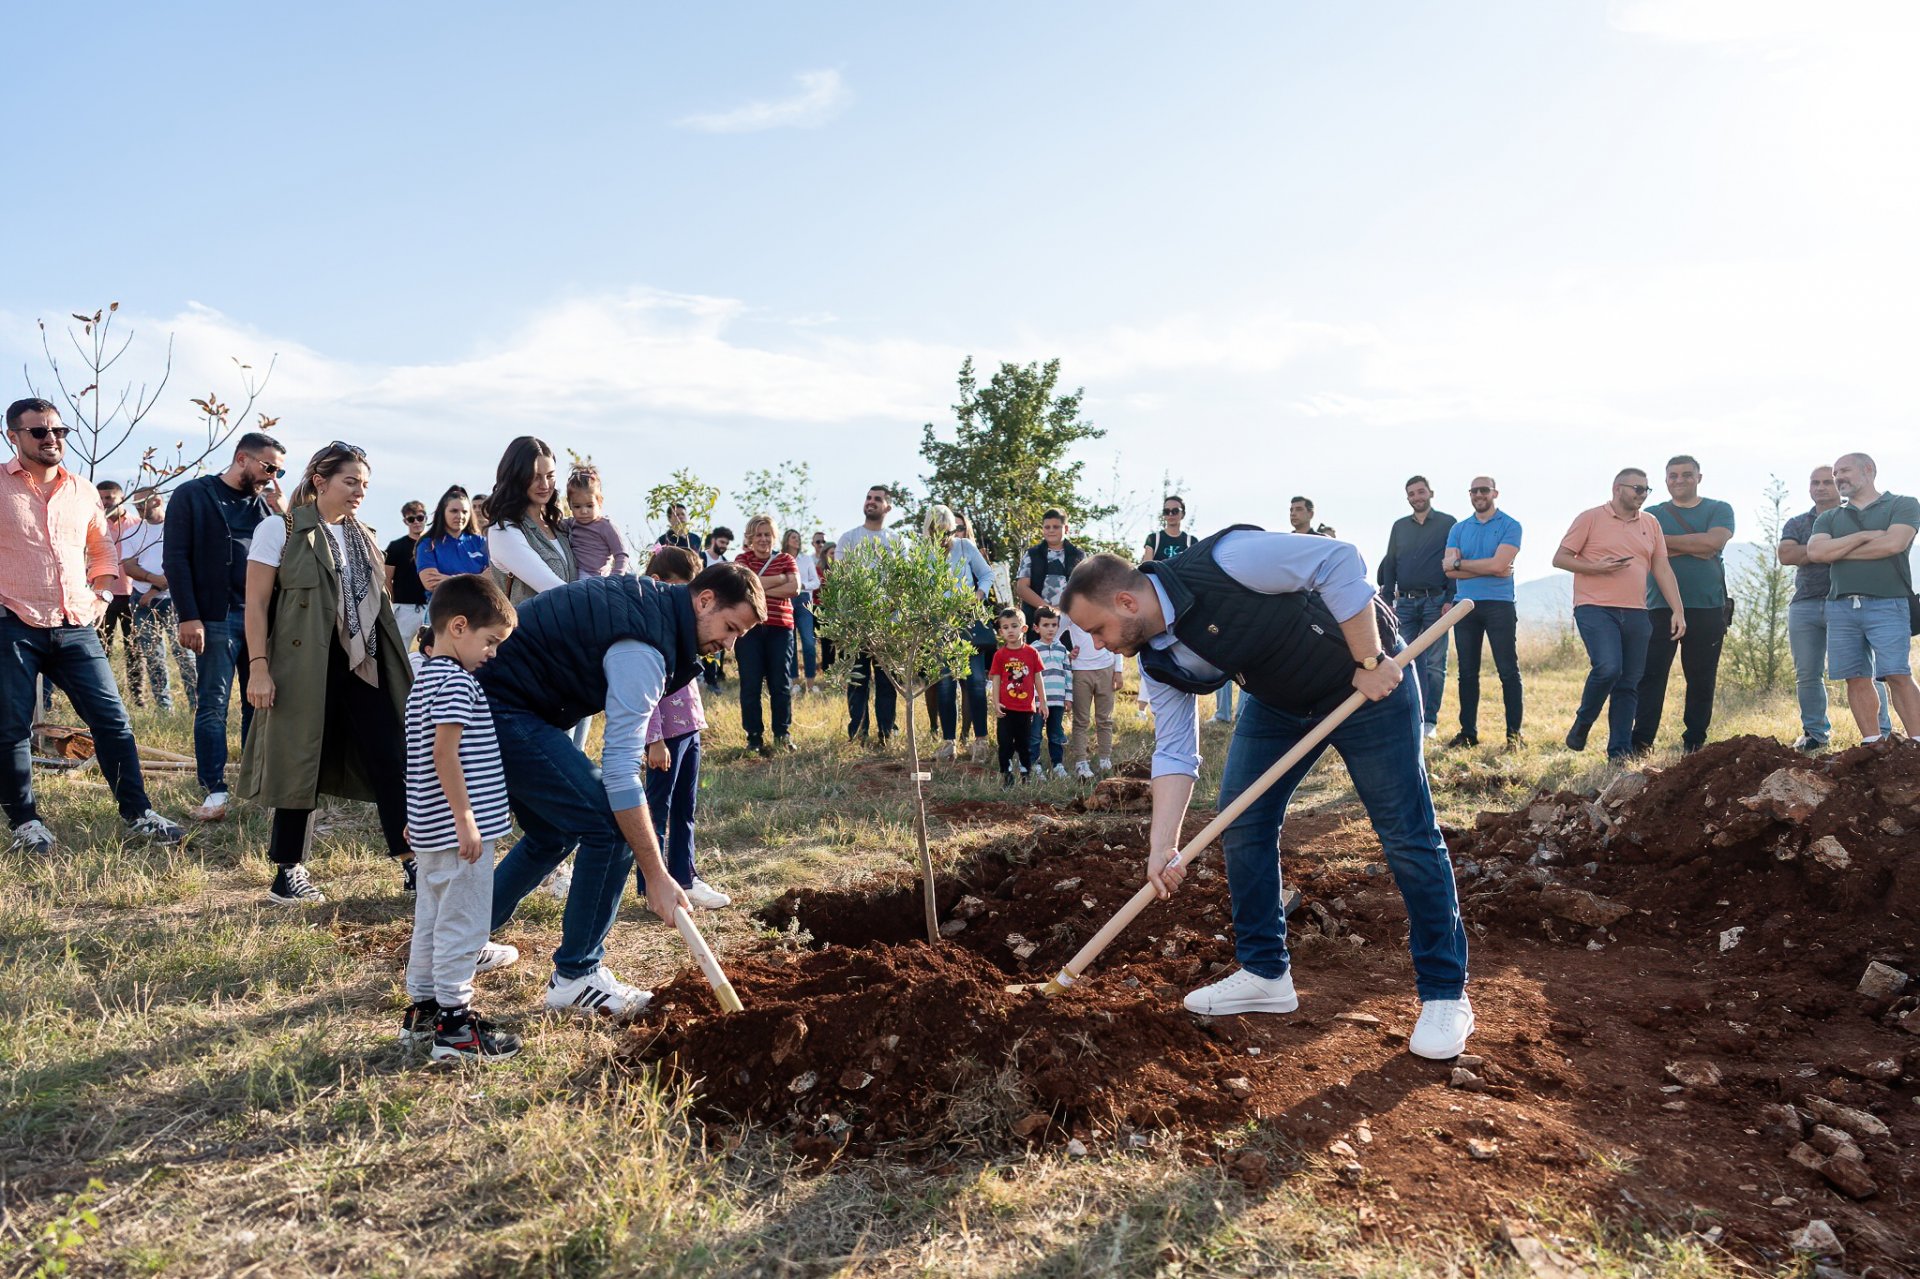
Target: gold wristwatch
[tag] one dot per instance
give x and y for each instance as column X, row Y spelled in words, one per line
column 1371, row 663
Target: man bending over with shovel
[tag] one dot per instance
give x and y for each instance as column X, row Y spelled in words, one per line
column 1295, row 622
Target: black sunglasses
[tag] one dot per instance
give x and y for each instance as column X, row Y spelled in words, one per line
column 354, row 449
column 42, row 432
column 1640, row 489
column 278, row 472
column 1477, row 490
column 416, row 519
column 1173, row 510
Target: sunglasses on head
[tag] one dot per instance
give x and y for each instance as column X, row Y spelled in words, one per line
column 354, row 449
column 42, row 432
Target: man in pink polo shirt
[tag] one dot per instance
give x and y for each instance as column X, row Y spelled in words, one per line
column 56, row 556
column 1610, row 550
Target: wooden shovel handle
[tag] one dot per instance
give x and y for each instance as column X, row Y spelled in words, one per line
column 1228, row 815
column 703, row 956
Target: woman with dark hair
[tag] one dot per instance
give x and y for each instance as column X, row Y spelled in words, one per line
column 329, row 675
column 452, row 545
column 942, row 526
column 526, row 534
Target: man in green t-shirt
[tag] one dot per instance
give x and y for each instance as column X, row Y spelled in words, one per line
column 1697, row 530
column 1866, row 541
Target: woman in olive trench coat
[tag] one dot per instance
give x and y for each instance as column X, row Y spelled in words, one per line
column 330, row 675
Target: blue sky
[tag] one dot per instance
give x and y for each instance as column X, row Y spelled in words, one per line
column 1285, row 247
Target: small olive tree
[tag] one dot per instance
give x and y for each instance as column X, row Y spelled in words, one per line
column 905, row 605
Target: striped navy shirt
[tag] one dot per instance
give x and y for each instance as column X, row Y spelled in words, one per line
column 446, row 693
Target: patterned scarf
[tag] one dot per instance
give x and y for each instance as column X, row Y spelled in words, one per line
column 358, row 620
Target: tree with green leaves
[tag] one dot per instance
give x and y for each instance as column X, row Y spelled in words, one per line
column 1757, row 649
column 784, row 492
column 684, row 488
column 903, row 602
column 1008, row 460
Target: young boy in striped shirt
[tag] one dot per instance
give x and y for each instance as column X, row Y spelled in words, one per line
column 456, row 809
column 1056, row 660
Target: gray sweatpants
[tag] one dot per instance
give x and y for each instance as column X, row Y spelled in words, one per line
column 453, row 906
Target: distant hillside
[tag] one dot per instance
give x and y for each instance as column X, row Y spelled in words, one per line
column 1548, row 601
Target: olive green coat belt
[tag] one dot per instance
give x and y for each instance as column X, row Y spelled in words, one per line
column 285, row 764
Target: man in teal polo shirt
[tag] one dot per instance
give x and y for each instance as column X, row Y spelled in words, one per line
column 1697, row 530
column 1479, row 557
column 1866, row 542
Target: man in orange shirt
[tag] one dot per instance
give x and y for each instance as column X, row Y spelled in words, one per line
column 56, row 556
column 1610, row 550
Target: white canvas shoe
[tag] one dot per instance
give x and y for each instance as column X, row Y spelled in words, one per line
column 706, row 896
column 1243, row 992
column 1441, row 1033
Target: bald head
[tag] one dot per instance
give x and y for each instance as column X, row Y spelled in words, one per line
column 1854, row 475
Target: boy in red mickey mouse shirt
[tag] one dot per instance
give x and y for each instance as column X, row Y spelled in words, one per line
column 1016, row 688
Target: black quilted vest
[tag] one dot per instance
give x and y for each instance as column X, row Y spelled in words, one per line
column 1287, row 650
column 551, row 666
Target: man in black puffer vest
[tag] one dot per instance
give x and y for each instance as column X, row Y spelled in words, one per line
column 612, row 645
column 1295, row 622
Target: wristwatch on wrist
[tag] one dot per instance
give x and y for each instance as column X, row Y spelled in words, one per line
column 1371, row 663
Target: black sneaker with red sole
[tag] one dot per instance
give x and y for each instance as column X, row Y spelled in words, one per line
column 460, row 1034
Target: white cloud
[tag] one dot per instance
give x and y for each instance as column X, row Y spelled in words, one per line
column 823, row 95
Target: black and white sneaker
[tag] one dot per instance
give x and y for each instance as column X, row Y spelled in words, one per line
column 416, row 1027
column 460, row 1034
column 153, row 827
column 291, row 887
column 597, row 993
column 410, row 876
column 32, row 837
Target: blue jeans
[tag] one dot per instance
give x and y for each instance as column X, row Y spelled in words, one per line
column 1807, row 636
column 673, row 793
column 1616, row 640
column 885, row 696
column 1052, row 725
column 1223, row 703
column 224, row 656
column 805, row 649
column 562, row 808
column 72, row 658
column 1416, row 614
column 763, row 656
column 1380, row 745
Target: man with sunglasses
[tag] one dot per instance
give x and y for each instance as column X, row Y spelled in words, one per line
column 208, row 534
column 1479, row 558
column 59, row 561
column 1611, row 550
column 404, row 587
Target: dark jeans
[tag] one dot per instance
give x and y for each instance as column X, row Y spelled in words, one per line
column 1616, row 640
column 119, row 617
column 359, row 720
column 1699, row 652
column 1416, row 614
column 802, row 650
column 1498, row 622
column 1053, row 724
column 946, row 701
column 224, row 656
column 973, row 694
column 1016, row 738
column 72, row 659
column 763, row 656
column 673, row 793
column 1380, row 745
column 884, row 698
column 562, row 807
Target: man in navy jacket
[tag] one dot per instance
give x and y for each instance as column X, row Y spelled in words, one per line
column 209, row 531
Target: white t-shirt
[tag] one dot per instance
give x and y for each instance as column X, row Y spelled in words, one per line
column 270, row 542
column 1086, row 657
column 144, row 549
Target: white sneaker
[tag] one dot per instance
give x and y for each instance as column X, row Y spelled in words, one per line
column 597, row 993
column 1060, row 771
column 32, row 837
column 977, row 753
column 495, row 955
column 945, row 754
column 1084, row 771
column 706, row 896
column 214, row 810
column 152, row 826
column 1106, row 766
column 1442, row 1030
column 560, row 882
column 1243, row 992
column 1430, row 730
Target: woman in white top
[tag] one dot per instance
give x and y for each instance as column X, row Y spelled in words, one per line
column 803, row 626
column 526, row 531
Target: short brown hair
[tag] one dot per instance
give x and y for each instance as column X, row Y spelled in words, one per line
column 732, row 584
column 673, row 564
column 472, row 596
column 1099, row 577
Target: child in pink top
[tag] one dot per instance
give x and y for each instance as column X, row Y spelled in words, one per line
column 673, row 756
